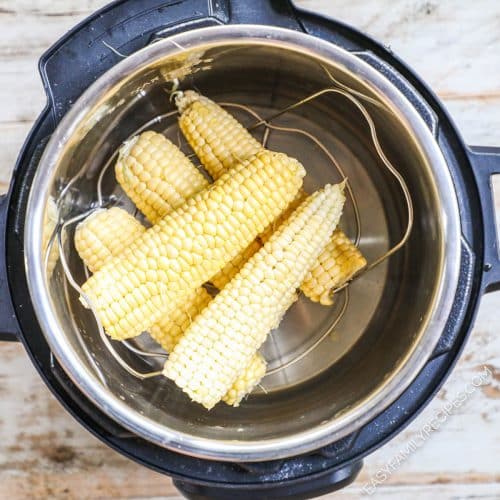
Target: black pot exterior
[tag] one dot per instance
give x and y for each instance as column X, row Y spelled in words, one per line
column 81, row 57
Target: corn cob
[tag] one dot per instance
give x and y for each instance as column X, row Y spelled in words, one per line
column 219, row 140
column 225, row 336
column 95, row 240
column 339, row 261
column 247, row 381
column 337, row 264
column 156, row 175
column 104, row 234
column 49, row 226
column 190, row 245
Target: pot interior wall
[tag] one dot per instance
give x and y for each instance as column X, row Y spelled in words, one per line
column 387, row 306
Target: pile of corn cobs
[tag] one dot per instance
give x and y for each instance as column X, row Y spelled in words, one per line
column 252, row 232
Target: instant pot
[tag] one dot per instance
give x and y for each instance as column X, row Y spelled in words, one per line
column 408, row 318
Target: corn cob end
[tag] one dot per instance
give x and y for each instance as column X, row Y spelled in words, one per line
column 339, row 262
column 104, row 234
column 184, row 99
column 156, row 175
column 247, row 381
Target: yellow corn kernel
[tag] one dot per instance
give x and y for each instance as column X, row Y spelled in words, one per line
column 226, row 334
column 247, row 381
column 170, row 328
column 228, row 272
column 182, row 251
column 301, row 196
column 339, row 261
column 156, row 175
column 216, row 137
column 285, row 304
column 104, row 234
column 220, row 140
column 337, row 264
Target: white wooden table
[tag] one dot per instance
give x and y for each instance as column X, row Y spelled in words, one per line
column 455, row 46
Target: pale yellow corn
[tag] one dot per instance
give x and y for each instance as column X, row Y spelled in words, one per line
column 156, row 175
column 226, row 334
column 229, row 271
column 339, row 261
column 49, row 226
column 219, row 140
column 247, row 381
column 104, row 234
column 170, row 328
column 337, row 264
column 191, row 244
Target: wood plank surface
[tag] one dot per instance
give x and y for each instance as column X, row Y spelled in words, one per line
column 455, row 46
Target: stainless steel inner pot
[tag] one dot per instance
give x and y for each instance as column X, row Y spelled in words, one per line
column 396, row 312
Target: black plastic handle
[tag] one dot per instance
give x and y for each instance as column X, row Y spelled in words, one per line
column 298, row 489
column 485, row 163
column 9, row 329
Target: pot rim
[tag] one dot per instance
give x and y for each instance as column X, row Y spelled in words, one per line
column 339, row 425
